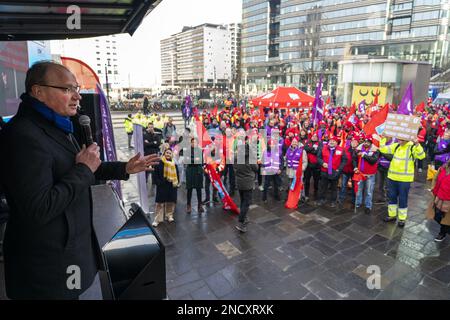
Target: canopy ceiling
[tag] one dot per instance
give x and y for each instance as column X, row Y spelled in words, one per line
column 47, row 20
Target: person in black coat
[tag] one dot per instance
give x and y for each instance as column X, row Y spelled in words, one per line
column 46, row 180
column 166, row 178
column 194, row 175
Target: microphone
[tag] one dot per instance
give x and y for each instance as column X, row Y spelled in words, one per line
column 85, row 123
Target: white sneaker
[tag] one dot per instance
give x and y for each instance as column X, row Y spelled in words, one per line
column 155, row 224
column 261, row 188
column 420, row 170
column 171, row 219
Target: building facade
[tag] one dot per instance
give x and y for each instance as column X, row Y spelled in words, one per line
column 289, row 42
column 198, row 57
column 235, row 34
column 103, row 56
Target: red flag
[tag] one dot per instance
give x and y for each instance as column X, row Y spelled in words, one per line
column 376, row 125
column 351, row 114
column 296, row 187
column 357, row 177
column 261, row 114
column 214, row 112
column 420, row 107
column 328, row 100
column 228, row 203
column 203, row 135
column 375, row 101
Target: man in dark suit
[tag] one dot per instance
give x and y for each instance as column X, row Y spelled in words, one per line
column 46, row 178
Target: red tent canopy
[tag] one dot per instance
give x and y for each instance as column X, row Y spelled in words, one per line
column 284, row 97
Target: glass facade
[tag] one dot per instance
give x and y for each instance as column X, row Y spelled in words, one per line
column 297, row 31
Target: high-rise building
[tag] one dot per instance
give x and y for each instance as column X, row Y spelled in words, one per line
column 235, row 34
column 100, row 53
column 197, row 57
column 288, row 42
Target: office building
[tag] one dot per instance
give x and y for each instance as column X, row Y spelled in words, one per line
column 290, row 42
column 197, row 57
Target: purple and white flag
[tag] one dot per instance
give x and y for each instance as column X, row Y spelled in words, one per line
column 317, row 112
column 362, row 106
column 407, row 104
column 108, row 136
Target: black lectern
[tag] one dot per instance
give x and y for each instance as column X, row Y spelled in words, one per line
column 135, row 262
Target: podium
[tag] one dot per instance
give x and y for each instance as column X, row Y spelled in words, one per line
column 135, row 262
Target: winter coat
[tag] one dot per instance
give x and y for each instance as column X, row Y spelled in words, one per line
column 165, row 191
column 194, row 169
column 245, row 175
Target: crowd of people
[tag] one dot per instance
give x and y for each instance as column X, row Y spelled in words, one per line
column 337, row 158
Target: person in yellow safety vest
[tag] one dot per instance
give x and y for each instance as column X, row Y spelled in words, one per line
column 400, row 175
column 158, row 123
column 129, row 128
column 138, row 119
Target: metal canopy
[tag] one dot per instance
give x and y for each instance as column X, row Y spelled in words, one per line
column 48, row 20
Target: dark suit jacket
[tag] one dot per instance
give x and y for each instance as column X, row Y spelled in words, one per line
column 50, row 225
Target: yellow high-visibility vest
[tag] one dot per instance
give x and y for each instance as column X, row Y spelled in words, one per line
column 402, row 165
column 128, row 125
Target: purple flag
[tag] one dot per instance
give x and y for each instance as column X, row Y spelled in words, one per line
column 317, row 112
column 108, row 137
column 407, row 104
column 362, row 106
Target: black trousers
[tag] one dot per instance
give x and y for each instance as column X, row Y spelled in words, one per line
column 260, row 178
column 438, row 215
column 326, row 183
column 420, row 162
column 189, row 195
column 268, row 179
column 246, row 198
column 315, row 174
column 228, row 172
column 382, row 178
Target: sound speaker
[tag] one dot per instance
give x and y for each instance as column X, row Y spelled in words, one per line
column 135, row 262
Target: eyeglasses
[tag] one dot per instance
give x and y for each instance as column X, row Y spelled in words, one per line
column 67, row 90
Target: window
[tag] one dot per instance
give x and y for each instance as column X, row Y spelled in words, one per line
column 430, row 15
column 256, row 7
column 402, row 6
column 401, row 21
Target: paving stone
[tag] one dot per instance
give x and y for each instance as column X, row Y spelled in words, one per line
column 323, row 248
column 321, row 291
column 313, row 254
column 219, row 285
column 204, row 293
column 375, row 240
column 176, row 293
column 442, row 274
column 228, row 249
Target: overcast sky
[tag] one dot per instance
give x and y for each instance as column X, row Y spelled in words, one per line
column 140, row 54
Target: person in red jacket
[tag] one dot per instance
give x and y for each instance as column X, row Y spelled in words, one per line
column 331, row 160
column 441, row 191
column 365, row 161
column 421, row 137
column 348, row 171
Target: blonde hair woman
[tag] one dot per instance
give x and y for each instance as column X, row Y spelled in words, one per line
column 166, row 178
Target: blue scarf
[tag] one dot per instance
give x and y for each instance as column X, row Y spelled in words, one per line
column 61, row 122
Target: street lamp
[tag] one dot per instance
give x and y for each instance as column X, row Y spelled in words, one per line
column 107, row 83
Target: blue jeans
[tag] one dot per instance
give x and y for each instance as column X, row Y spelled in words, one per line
column 343, row 193
column 367, row 187
column 398, row 193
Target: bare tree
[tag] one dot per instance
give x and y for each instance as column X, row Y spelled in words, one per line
column 312, row 28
